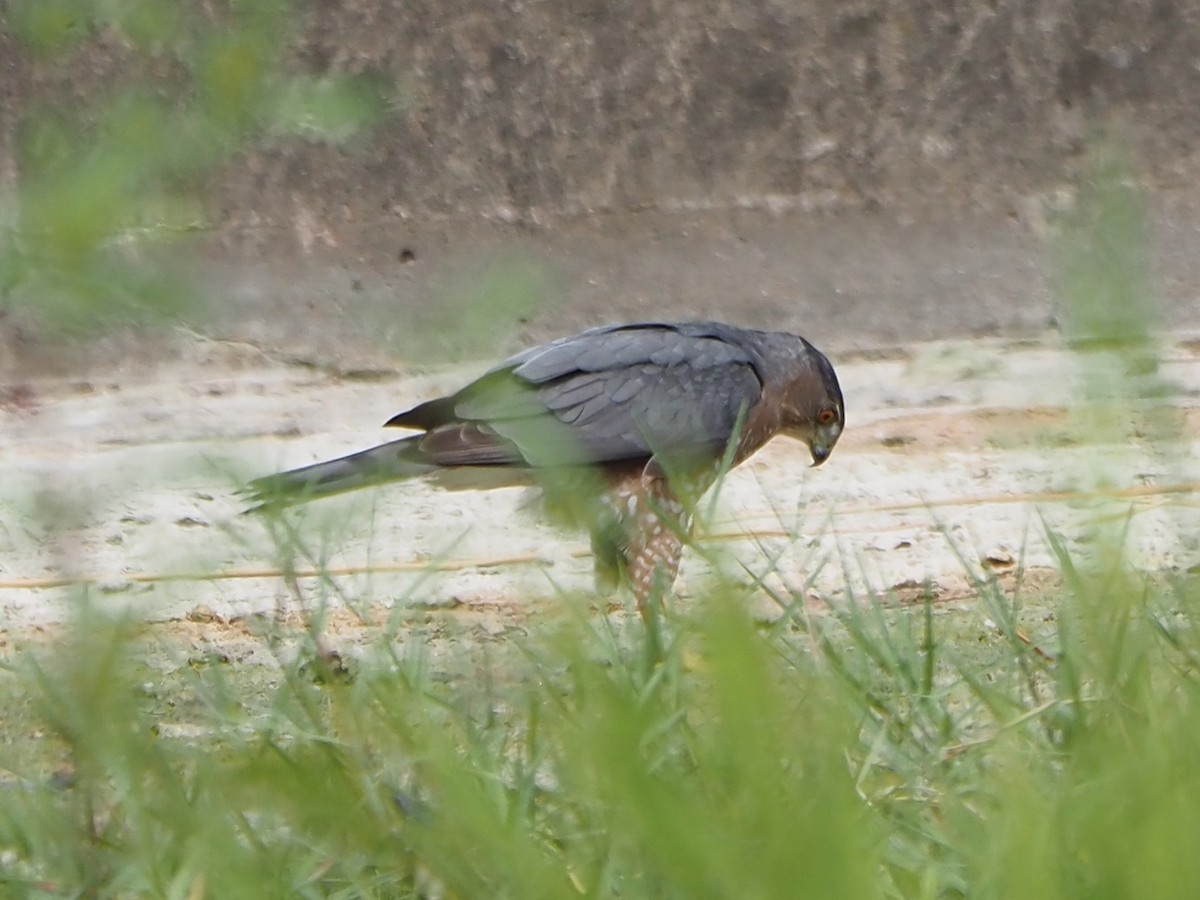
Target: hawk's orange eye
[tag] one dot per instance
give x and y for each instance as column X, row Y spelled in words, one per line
column 826, row 416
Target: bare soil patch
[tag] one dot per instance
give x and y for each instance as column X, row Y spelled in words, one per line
column 957, row 457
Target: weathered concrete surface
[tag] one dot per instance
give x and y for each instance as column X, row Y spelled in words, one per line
column 595, row 104
column 575, row 105
column 863, row 171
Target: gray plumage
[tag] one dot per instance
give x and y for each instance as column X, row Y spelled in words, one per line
column 632, row 401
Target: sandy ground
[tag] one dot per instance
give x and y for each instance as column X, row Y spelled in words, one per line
column 955, row 459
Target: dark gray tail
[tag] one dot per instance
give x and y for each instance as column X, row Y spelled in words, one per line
column 394, row 461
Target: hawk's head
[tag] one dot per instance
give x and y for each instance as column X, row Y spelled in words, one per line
column 817, row 411
column 825, row 430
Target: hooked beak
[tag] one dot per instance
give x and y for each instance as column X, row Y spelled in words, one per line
column 820, row 453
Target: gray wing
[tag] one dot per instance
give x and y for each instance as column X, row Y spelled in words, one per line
column 605, row 395
column 699, row 345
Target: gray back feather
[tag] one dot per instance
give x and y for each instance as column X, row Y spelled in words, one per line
column 619, row 393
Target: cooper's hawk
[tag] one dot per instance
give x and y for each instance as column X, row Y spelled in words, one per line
column 624, row 427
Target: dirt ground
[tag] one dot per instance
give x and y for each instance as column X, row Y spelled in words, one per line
column 957, row 457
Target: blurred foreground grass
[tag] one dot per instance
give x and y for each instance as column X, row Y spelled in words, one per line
column 1033, row 746
column 1038, row 745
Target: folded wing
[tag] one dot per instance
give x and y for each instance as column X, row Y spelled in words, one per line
column 606, row 395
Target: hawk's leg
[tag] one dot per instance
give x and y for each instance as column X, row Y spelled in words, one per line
column 653, row 562
column 641, row 538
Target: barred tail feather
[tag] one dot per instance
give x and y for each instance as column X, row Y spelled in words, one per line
column 394, row 461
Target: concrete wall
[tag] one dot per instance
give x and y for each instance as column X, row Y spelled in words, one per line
column 563, row 106
column 939, row 131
